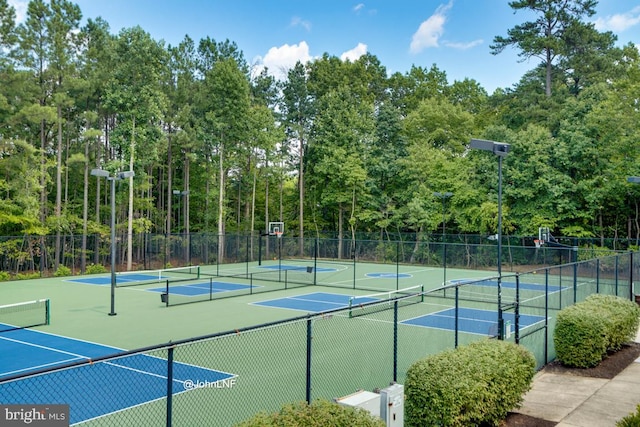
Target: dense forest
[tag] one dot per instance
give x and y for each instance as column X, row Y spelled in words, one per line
column 217, row 147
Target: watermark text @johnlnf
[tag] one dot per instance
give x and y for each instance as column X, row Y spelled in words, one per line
column 225, row 383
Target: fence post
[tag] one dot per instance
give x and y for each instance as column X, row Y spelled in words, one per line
column 169, row 387
column 456, row 316
column 617, row 257
column 575, row 278
column 631, row 297
column 397, row 266
column 516, row 311
column 546, row 314
column 597, row 275
column 308, row 394
column 395, row 341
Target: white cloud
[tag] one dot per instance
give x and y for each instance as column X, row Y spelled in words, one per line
column 355, row 53
column 296, row 21
column 430, row 30
column 357, row 8
column 619, row 22
column 281, row 59
column 463, row 46
column 21, row 9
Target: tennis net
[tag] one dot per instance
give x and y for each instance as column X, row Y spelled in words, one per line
column 24, row 315
column 138, row 278
column 380, row 301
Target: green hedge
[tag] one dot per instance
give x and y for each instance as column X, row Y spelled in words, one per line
column 320, row 413
column 476, row 384
column 586, row 331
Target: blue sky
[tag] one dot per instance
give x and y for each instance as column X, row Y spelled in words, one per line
column 452, row 34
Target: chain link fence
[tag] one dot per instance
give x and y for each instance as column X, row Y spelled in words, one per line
column 225, row 378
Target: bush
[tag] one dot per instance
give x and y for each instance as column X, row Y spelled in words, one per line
column 4, row 276
column 476, row 384
column 586, row 331
column 27, row 276
column 621, row 317
column 631, row 420
column 95, row 269
column 319, row 413
column 62, row 271
column 579, row 337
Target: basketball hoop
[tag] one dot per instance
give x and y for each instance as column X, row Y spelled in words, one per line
column 538, row 243
column 278, row 234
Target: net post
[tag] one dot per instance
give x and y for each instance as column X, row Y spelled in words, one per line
column 47, row 308
column 166, row 299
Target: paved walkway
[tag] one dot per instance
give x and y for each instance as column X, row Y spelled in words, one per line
column 574, row 401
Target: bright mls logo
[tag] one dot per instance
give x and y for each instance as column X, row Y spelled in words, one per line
column 34, row 415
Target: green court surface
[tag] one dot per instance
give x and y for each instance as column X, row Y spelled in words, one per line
column 80, row 309
column 350, row 349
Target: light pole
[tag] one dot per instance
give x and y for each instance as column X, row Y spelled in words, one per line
column 444, row 197
column 500, row 149
column 112, row 179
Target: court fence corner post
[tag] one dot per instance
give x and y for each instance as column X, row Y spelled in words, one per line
column 169, row 387
column 308, row 370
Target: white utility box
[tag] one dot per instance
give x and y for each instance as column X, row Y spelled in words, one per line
column 392, row 405
column 362, row 399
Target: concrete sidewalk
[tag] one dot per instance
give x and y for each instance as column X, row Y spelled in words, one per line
column 574, row 401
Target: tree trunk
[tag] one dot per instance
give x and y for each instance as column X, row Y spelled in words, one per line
column 58, row 212
column 130, row 213
column 301, row 201
column 221, row 210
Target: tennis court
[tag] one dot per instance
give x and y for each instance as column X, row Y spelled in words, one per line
column 26, row 350
column 200, row 288
column 297, row 346
column 470, row 320
column 506, row 284
column 143, row 277
column 315, row 302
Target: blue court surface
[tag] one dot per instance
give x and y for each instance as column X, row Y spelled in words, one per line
column 471, row 320
column 302, row 268
column 389, row 275
column 24, row 350
column 201, row 288
column 538, row 287
column 314, row 302
column 120, row 279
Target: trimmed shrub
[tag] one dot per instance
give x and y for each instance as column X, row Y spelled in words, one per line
column 621, row 317
column 319, row 413
column 631, row 420
column 586, row 331
column 27, row 276
column 62, row 271
column 4, row 276
column 95, row 269
column 579, row 337
column 476, row 384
